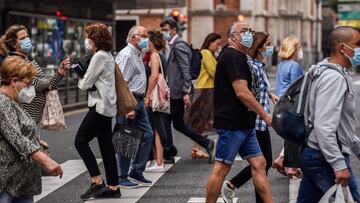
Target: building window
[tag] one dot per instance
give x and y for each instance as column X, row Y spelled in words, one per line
column 53, row 39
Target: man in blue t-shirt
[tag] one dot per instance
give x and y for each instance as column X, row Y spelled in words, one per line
column 235, row 113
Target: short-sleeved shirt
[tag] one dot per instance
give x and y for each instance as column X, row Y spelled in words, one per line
column 230, row 112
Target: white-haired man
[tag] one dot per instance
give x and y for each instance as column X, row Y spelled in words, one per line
column 132, row 67
column 235, row 113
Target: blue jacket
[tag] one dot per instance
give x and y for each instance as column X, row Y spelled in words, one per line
column 288, row 71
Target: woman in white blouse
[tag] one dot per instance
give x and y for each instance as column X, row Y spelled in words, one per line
column 99, row 80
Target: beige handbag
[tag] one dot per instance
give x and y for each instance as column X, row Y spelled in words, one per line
column 160, row 95
column 53, row 115
column 126, row 101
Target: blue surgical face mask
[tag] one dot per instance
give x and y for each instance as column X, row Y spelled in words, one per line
column 246, row 39
column 355, row 60
column 25, row 45
column 167, row 36
column 143, row 43
column 269, row 50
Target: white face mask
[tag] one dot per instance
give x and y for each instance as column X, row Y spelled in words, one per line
column 27, row 94
column 87, row 44
column 300, row 54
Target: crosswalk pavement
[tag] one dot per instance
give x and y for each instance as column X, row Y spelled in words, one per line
column 74, row 168
column 202, row 200
column 71, row 169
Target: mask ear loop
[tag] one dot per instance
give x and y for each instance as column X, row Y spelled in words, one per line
column 348, row 48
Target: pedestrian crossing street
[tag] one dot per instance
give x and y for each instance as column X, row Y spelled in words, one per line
column 74, row 168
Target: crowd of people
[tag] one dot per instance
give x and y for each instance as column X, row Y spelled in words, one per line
column 230, row 95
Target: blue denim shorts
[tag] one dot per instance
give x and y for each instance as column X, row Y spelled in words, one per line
column 230, row 143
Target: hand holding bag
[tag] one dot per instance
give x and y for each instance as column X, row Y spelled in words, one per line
column 126, row 101
column 160, row 95
column 342, row 195
column 53, row 115
column 127, row 138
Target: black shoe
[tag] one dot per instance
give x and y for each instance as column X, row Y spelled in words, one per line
column 210, row 149
column 169, row 160
column 93, row 190
column 108, row 193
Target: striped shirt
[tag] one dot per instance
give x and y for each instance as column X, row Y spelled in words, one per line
column 41, row 85
column 261, row 87
column 132, row 67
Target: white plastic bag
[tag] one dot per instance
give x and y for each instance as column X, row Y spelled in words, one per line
column 342, row 195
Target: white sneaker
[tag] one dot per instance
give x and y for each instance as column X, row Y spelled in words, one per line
column 149, row 163
column 155, row 168
column 227, row 193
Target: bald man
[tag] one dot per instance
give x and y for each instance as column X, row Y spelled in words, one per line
column 325, row 158
column 235, row 113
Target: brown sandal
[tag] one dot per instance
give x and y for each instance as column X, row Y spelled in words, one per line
column 294, row 172
column 198, row 154
column 278, row 165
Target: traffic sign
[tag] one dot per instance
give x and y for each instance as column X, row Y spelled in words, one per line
column 349, row 15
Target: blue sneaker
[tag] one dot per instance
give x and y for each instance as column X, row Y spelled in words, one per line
column 126, row 183
column 139, row 180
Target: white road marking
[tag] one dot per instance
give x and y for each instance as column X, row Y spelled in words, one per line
column 202, row 200
column 71, row 169
column 133, row 195
column 357, row 82
column 293, row 189
column 70, row 113
column 238, row 158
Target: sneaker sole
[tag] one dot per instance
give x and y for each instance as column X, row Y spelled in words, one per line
column 129, row 187
column 155, row 171
column 139, row 182
column 108, row 197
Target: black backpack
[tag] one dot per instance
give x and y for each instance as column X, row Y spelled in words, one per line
column 291, row 116
column 195, row 64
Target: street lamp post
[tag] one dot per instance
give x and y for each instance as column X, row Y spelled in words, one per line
column 317, row 30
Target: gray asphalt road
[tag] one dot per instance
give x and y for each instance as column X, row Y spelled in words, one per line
column 186, row 179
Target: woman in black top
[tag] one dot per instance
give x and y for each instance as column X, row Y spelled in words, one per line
column 160, row 121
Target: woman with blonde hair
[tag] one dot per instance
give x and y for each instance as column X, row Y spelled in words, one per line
column 288, row 71
column 20, row 155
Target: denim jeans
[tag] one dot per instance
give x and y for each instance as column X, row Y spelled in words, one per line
column 7, row 198
column 230, row 143
column 139, row 164
column 319, row 176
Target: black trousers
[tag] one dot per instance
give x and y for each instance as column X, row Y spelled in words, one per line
column 291, row 155
column 245, row 175
column 97, row 125
column 177, row 116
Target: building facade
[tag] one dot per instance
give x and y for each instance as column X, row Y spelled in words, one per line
column 280, row 18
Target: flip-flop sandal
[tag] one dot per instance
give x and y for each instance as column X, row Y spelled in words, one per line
column 297, row 174
column 280, row 169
